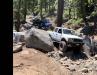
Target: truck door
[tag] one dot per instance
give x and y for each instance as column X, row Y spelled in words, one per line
column 59, row 34
column 54, row 34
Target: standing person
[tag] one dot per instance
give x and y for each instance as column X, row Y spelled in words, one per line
column 87, row 45
column 87, row 40
column 92, row 45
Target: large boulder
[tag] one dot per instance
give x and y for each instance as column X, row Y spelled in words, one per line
column 18, row 37
column 17, row 48
column 25, row 26
column 40, row 39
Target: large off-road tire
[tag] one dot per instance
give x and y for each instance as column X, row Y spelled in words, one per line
column 63, row 46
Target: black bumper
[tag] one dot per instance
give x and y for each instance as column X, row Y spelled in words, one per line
column 75, row 44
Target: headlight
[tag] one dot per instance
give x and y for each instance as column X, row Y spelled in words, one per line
column 70, row 40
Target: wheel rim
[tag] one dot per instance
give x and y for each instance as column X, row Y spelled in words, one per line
column 61, row 46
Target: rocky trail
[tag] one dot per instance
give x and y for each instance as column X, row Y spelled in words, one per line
column 33, row 62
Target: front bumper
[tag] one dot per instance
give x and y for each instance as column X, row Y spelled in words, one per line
column 75, row 44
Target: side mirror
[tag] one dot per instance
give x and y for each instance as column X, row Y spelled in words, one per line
column 60, row 32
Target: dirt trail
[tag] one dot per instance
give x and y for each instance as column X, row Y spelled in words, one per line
column 33, row 62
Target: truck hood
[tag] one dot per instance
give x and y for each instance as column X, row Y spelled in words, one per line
column 71, row 36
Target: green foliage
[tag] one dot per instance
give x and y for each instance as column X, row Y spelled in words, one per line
column 34, row 6
column 78, row 21
column 73, row 9
column 94, row 13
column 75, row 21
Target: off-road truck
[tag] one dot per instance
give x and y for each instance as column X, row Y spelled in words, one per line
column 66, row 38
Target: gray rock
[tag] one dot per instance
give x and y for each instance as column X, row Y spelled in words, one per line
column 84, row 70
column 64, row 58
column 66, row 64
column 25, row 26
column 72, row 67
column 96, row 69
column 78, row 63
column 87, row 65
column 50, row 54
column 40, row 39
column 17, row 48
column 60, row 53
column 55, row 54
column 80, row 60
column 95, row 57
column 90, row 69
column 69, row 60
column 95, row 62
column 63, row 61
column 18, row 37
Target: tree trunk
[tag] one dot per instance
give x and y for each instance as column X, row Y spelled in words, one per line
column 60, row 12
column 41, row 9
column 69, row 13
column 83, row 12
column 34, row 4
column 49, row 7
column 52, row 7
column 74, row 13
column 33, row 7
column 45, row 6
column 95, row 22
column 17, row 23
column 25, row 10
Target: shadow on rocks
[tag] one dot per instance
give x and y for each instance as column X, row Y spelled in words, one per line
column 75, row 54
column 56, row 45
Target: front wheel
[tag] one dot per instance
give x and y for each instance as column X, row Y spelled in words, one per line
column 63, row 46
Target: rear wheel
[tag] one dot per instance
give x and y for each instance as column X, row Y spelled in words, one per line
column 63, row 46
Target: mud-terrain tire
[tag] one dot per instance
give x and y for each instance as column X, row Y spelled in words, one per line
column 62, row 46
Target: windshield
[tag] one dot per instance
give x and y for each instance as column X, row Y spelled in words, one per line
column 66, row 31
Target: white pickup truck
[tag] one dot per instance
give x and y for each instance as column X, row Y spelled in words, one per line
column 66, row 38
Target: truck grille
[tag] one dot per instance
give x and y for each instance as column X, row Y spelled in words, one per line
column 78, row 40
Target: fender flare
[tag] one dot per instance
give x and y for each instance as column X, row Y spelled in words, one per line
column 63, row 39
